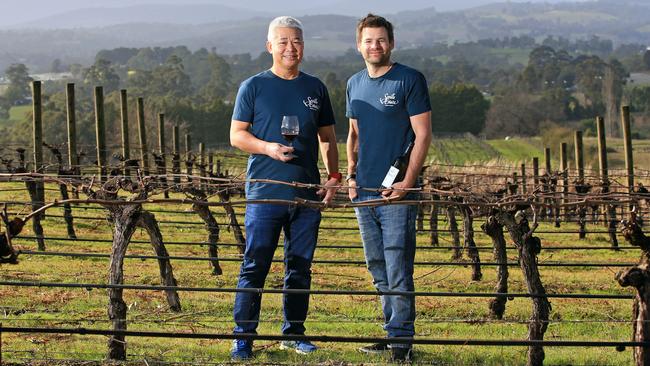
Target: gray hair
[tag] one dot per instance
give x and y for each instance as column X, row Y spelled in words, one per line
column 284, row 21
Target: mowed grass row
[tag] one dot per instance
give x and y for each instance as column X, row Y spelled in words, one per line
column 343, row 315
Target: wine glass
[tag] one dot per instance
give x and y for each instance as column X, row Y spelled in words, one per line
column 290, row 129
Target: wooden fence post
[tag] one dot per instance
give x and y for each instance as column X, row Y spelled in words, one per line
column 73, row 159
column 100, row 132
column 37, row 191
column 143, row 138
column 125, row 131
column 580, row 185
column 202, row 169
column 627, row 138
column 609, row 211
column 580, row 162
column 210, row 162
column 176, row 157
column 189, row 161
column 548, row 175
column 162, row 168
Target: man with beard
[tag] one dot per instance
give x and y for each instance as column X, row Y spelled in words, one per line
column 390, row 113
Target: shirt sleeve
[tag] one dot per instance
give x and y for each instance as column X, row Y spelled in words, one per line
column 417, row 96
column 326, row 116
column 245, row 103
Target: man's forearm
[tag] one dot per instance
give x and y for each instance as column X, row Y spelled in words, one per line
column 351, row 149
column 247, row 142
column 418, row 155
column 330, row 156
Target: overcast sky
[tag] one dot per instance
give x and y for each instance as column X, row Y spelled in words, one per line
column 20, row 11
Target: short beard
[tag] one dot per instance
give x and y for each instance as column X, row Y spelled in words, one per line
column 383, row 61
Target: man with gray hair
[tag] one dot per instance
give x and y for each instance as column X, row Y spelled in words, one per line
column 262, row 103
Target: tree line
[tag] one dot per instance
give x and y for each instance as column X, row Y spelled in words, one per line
column 480, row 87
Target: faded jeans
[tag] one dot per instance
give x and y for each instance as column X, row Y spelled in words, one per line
column 388, row 235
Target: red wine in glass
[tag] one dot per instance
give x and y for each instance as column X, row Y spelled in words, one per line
column 290, row 129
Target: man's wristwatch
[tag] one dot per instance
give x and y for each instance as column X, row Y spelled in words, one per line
column 350, row 176
column 337, row 175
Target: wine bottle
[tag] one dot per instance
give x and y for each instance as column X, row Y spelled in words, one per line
column 397, row 170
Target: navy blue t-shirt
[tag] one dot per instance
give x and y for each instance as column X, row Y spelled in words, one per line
column 382, row 107
column 262, row 100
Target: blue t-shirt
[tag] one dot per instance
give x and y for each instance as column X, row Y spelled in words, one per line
column 262, row 100
column 382, row 107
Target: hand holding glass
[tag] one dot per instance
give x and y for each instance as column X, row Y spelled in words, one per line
column 290, row 129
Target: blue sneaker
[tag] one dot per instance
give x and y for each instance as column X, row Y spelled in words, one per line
column 242, row 349
column 302, row 347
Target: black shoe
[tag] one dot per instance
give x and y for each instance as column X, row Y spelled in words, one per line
column 401, row 354
column 375, row 348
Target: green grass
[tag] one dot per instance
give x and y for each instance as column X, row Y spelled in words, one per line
column 517, row 149
column 16, row 114
column 19, row 113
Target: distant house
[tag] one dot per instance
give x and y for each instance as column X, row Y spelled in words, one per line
column 639, row 78
column 52, row 76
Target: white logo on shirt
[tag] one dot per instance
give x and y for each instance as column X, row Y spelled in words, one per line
column 389, row 100
column 312, row 104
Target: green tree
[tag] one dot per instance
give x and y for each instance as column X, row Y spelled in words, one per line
column 459, row 108
column 19, row 83
column 219, row 82
column 4, row 108
column 170, row 79
column 102, row 73
column 646, row 59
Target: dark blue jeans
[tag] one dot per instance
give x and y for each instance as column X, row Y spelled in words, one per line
column 388, row 236
column 264, row 222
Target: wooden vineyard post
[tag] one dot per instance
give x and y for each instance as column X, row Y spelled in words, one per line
column 124, row 109
column 35, row 186
column 582, row 188
column 564, row 169
column 144, row 156
column 629, row 161
column 609, row 211
column 73, row 158
column 189, row 158
column 161, row 158
column 202, row 169
column 176, row 156
column 100, row 133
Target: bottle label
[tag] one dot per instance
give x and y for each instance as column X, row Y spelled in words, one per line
column 390, row 177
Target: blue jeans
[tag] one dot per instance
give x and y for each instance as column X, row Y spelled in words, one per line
column 388, row 235
column 263, row 225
